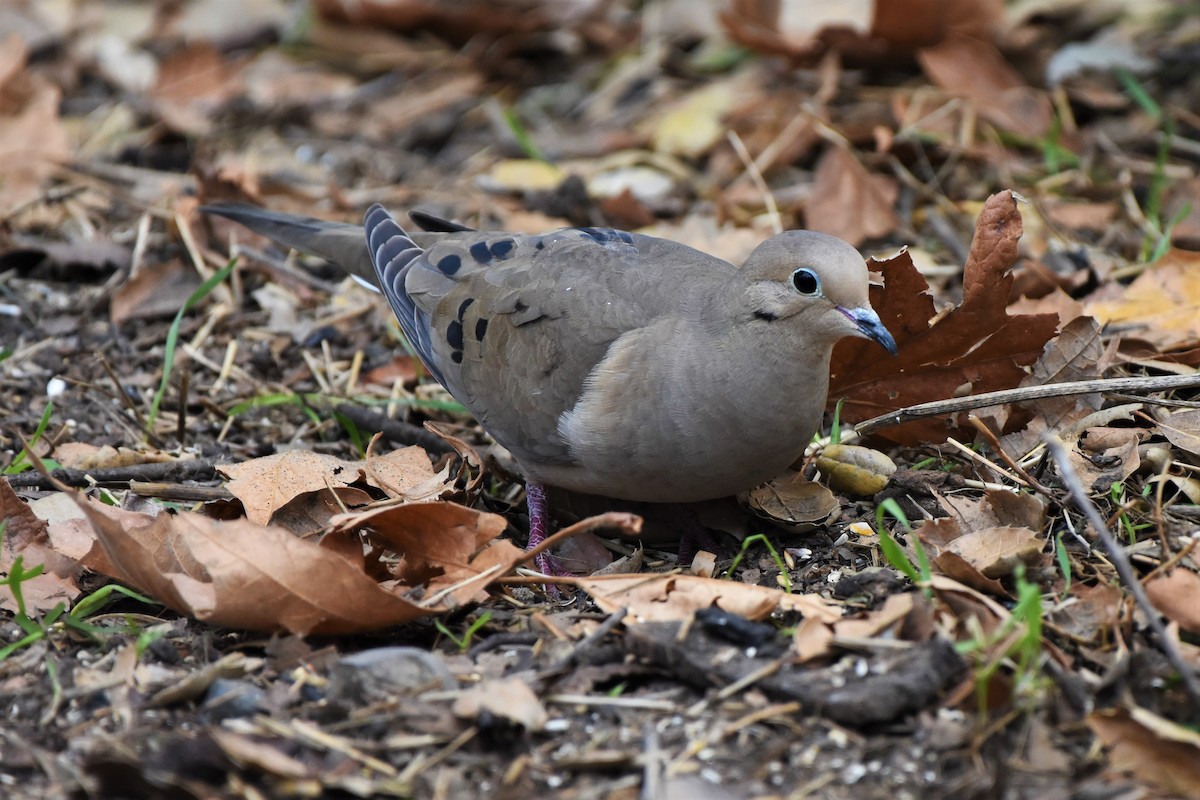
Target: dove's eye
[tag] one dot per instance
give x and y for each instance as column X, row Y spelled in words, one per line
column 806, row 281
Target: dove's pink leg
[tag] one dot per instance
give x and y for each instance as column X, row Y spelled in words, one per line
column 539, row 524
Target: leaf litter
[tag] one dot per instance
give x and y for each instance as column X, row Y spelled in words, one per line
column 961, row 620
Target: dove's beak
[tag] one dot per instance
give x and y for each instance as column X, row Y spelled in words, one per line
column 870, row 326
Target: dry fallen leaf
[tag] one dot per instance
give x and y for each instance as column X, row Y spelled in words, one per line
column 190, row 84
column 661, row 598
column 1177, row 595
column 267, row 484
column 1156, row 750
column 1076, row 354
column 1092, row 613
column 995, row 552
column 1162, row 306
column 1182, row 429
column 33, row 141
column 1104, row 456
column 158, row 290
column 794, row 503
column 976, row 69
column 691, row 127
column 849, row 202
column 507, row 698
column 976, row 347
column 253, row 577
column 25, row 536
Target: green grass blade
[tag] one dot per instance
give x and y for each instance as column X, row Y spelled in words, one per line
column 173, row 337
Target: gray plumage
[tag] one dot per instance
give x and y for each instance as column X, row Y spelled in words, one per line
column 614, row 363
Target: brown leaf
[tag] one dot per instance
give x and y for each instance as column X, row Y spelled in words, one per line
column 815, row 638
column 976, row 347
column 1177, row 595
column 311, row 512
column 976, row 69
column 849, row 202
column 1093, row 612
column 266, row 484
column 158, row 290
column 435, row 540
column 660, row 598
column 997, row 508
column 1182, row 429
column 191, row 83
column 26, row 536
column 995, row 552
column 1154, row 749
column 1162, row 306
column 794, row 503
column 1104, row 456
column 507, row 698
column 1080, row 215
column 241, row 575
column 33, row 141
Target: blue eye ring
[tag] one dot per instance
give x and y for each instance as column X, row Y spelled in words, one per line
column 806, row 282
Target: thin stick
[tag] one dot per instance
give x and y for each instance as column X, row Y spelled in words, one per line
column 739, row 147
column 994, row 442
column 922, row 410
column 1124, row 568
column 613, row 520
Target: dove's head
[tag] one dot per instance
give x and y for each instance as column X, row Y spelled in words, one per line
column 812, row 281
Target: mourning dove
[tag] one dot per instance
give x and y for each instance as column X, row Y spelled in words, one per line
column 613, row 363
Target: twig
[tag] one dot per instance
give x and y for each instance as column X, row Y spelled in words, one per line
column 739, row 147
column 986, row 462
column 588, row 642
column 180, row 491
column 1123, row 566
column 629, row 524
column 922, row 410
column 174, row 471
column 994, row 442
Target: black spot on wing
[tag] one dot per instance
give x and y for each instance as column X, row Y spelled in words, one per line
column 457, row 356
column 503, row 248
column 462, row 309
column 454, row 335
column 481, row 253
column 480, row 329
column 449, row 264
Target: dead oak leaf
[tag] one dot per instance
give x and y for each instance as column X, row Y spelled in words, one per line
column 1161, row 306
column 976, row 347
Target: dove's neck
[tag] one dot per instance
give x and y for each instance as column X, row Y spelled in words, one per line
column 782, row 378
